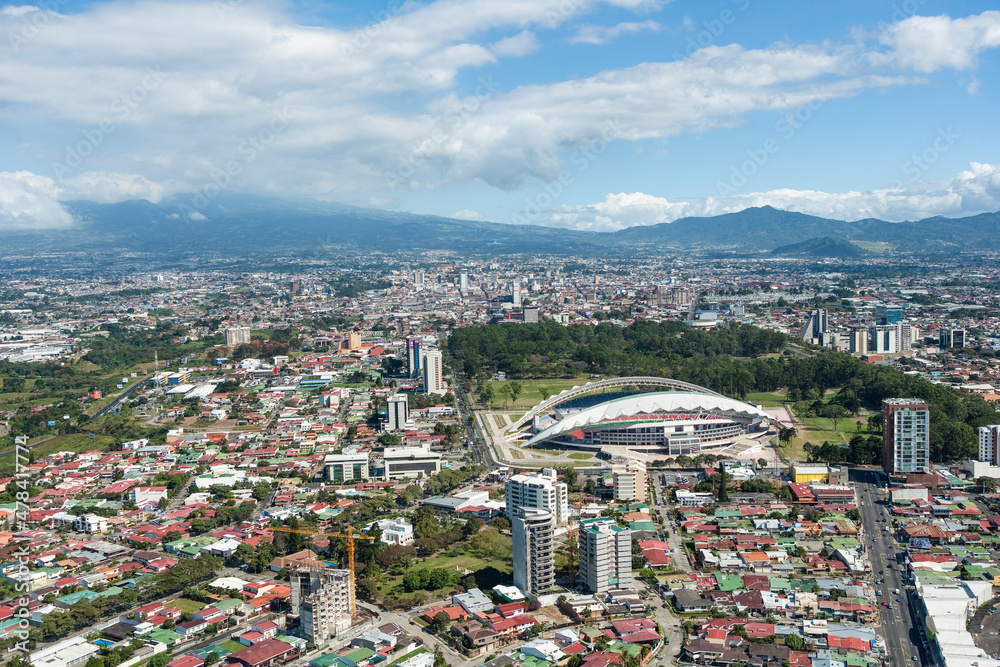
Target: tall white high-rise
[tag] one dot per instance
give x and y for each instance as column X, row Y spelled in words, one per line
column 533, row 550
column 605, row 555
column 516, row 292
column 237, row 336
column 434, row 373
column 537, row 490
column 463, row 281
column 885, row 339
column 989, row 444
column 399, row 413
column 905, row 435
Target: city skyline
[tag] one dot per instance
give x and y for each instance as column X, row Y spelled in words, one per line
column 576, row 113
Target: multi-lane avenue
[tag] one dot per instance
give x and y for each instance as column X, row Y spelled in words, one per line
column 900, row 626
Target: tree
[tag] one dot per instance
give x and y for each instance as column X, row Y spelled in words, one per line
column 486, row 394
column 515, row 390
column 794, row 642
column 507, row 392
column 723, row 495
column 854, row 514
column 987, row 484
column 834, row 413
column 761, row 463
column 439, row 659
column 441, row 621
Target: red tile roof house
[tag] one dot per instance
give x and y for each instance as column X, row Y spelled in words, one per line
column 263, row 654
column 210, row 615
column 636, row 631
column 191, row 628
column 269, row 629
column 251, row 638
column 186, row 661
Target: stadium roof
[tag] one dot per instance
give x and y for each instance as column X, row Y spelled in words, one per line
column 640, row 404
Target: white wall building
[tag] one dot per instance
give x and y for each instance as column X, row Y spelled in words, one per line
column 534, row 550
column 434, row 373
column 397, row 531
column 541, row 491
column 605, row 555
column 399, row 413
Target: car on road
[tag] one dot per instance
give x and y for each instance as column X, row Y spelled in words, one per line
column 914, row 658
column 884, row 603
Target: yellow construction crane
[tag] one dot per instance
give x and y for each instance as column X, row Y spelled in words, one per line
column 350, row 537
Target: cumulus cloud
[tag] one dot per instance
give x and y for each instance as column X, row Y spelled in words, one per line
column 972, row 191
column 32, row 202
column 467, row 214
column 517, row 45
column 29, row 202
column 188, row 90
column 929, row 43
column 599, row 34
column 109, row 188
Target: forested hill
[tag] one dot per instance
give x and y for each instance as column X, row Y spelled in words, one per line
column 734, row 360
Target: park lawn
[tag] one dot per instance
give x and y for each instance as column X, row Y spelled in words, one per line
column 187, row 604
column 73, row 442
column 534, row 392
column 769, row 399
column 231, row 645
column 580, row 456
column 817, row 430
column 465, row 561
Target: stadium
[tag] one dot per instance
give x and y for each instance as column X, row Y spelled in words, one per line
column 685, row 419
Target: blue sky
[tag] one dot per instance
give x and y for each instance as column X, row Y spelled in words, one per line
column 586, row 114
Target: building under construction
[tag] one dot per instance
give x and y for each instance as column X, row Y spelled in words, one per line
column 321, row 598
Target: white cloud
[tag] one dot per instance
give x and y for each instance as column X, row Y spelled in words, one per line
column 381, row 99
column 975, row 190
column 109, row 188
column 599, row 34
column 29, row 202
column 929, row 43
column 467, row 214
column 517, row 45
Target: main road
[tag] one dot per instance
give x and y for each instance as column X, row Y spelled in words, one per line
column 901, row 626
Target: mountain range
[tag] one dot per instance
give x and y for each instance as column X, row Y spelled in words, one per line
column 247, row 226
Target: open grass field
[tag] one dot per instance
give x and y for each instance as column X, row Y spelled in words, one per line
column 769, row 399
column 185, row 604
column 232, row 645
column 580, row 456
column 534, row 392
column 818, row 430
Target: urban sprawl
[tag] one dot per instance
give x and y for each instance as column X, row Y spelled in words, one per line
column 516, row 461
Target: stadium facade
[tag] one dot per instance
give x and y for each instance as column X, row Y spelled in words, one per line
column 664, row 422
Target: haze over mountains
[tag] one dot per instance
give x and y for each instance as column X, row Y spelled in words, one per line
column 269, row 226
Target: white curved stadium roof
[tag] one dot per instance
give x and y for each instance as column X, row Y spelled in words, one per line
column 661, row 401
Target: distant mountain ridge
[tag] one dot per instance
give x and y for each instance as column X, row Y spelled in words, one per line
column 247, row 225
column 821, row 247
